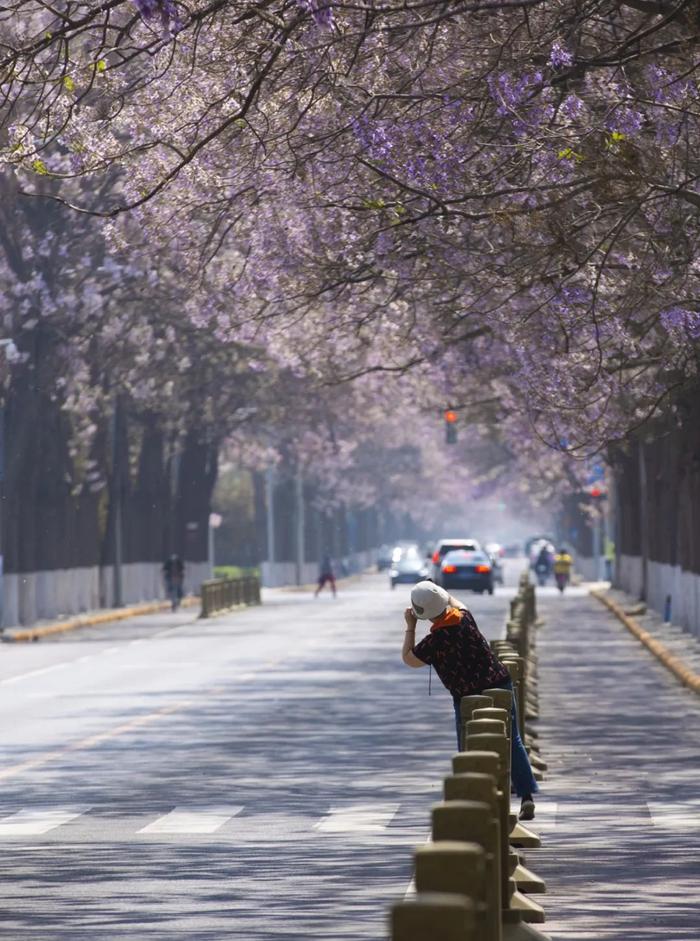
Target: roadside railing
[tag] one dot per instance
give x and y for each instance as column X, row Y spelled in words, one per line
column 223, row 594
column 475, row 835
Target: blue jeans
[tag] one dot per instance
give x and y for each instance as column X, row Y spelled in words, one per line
column 521, row 775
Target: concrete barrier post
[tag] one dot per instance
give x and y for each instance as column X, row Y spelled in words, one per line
column 473, row 822
column 433, row 916
column 466, row 706
column 459, row 867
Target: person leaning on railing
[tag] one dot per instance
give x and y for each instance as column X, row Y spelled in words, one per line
column 466, row 666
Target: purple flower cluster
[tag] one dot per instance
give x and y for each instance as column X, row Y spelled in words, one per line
column 560, row 57
column 321, row 10
column 625, row 121
column 165, row 9
column 510, row 92
column 679, row 318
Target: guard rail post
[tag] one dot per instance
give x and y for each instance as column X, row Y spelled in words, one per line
column 473, row 822
column 223, row 594
column 434, row 916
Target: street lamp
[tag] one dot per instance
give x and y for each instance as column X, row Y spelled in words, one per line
column 9, row 355
column 215, row 520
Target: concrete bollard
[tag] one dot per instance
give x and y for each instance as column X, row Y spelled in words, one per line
column 479, row 764
column 526, row 909
column 476, row 762
column 486, row 727
column 434, row 916
column 472, row 822
column 466, row 706
column 518, row 834
column 459, row 867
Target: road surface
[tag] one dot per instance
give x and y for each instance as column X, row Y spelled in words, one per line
column 261, row 775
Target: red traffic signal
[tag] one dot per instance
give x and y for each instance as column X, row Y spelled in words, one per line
column 450, row 416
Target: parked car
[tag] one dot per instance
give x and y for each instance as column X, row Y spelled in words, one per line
column 464, row 568
column 443, row 546
column 409, row 568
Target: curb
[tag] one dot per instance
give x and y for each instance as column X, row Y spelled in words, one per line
column 93, row 620
column 662, row 653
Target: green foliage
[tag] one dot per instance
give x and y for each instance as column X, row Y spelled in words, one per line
column 234, row 571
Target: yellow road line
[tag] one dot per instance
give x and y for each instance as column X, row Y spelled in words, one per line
column 679, row 669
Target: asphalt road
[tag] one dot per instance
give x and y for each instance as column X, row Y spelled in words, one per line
column 261, row 775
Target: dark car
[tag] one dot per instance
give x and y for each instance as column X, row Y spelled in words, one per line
column 448, row 545
column 408, row 569
column 467, row 569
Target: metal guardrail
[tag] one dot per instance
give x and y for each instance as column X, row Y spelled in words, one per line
column 222, row 594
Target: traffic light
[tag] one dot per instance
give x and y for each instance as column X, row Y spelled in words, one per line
column 450, row 426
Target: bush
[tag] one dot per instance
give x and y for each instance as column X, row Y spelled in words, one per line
column 234, row 571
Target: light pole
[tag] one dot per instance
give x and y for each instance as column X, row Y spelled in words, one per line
column 9, row 355
column 215, row 520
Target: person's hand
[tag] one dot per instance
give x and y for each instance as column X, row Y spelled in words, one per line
column 410, row 618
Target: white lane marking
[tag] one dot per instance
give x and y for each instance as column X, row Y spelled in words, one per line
column 110, row 650
column 357, row 818
column 24, row 676
column 676, row 815
column 192, row 820
column 38, row 821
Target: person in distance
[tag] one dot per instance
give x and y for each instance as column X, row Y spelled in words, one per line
column 466, row 666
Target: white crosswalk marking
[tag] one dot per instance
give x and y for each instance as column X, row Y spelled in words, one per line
column 37, row 821
column 192, row 820
column 676, row 815
column 357, row 818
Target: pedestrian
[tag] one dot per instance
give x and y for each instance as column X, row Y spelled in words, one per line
column 466, row 665
column 326, row 574
column 174, row 578
column 563, row 564
column 543, row 565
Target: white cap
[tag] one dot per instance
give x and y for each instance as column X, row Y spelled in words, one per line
column 428, row 600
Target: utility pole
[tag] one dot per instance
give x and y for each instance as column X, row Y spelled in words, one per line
column 596, row 543
column 117, row 594
column 299, row 524
column 215, row 520
column 2, row 512
column 270, row 518
column 9, row 353
column 643, row 521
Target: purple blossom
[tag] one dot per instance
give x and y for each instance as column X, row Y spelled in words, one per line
column 625, row 121
column 165, row 9
column 321, row 10
column 560, row 57
column 679, row 318
column 572, row 107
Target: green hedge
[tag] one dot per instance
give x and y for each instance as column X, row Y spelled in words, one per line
column 234, row 571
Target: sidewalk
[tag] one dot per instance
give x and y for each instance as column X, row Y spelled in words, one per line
column 619, row 813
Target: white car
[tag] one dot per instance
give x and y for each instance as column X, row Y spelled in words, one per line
column 442, row 547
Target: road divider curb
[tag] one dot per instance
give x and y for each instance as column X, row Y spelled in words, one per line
column 476, row 837
column 673, row 663
column 20, row 635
